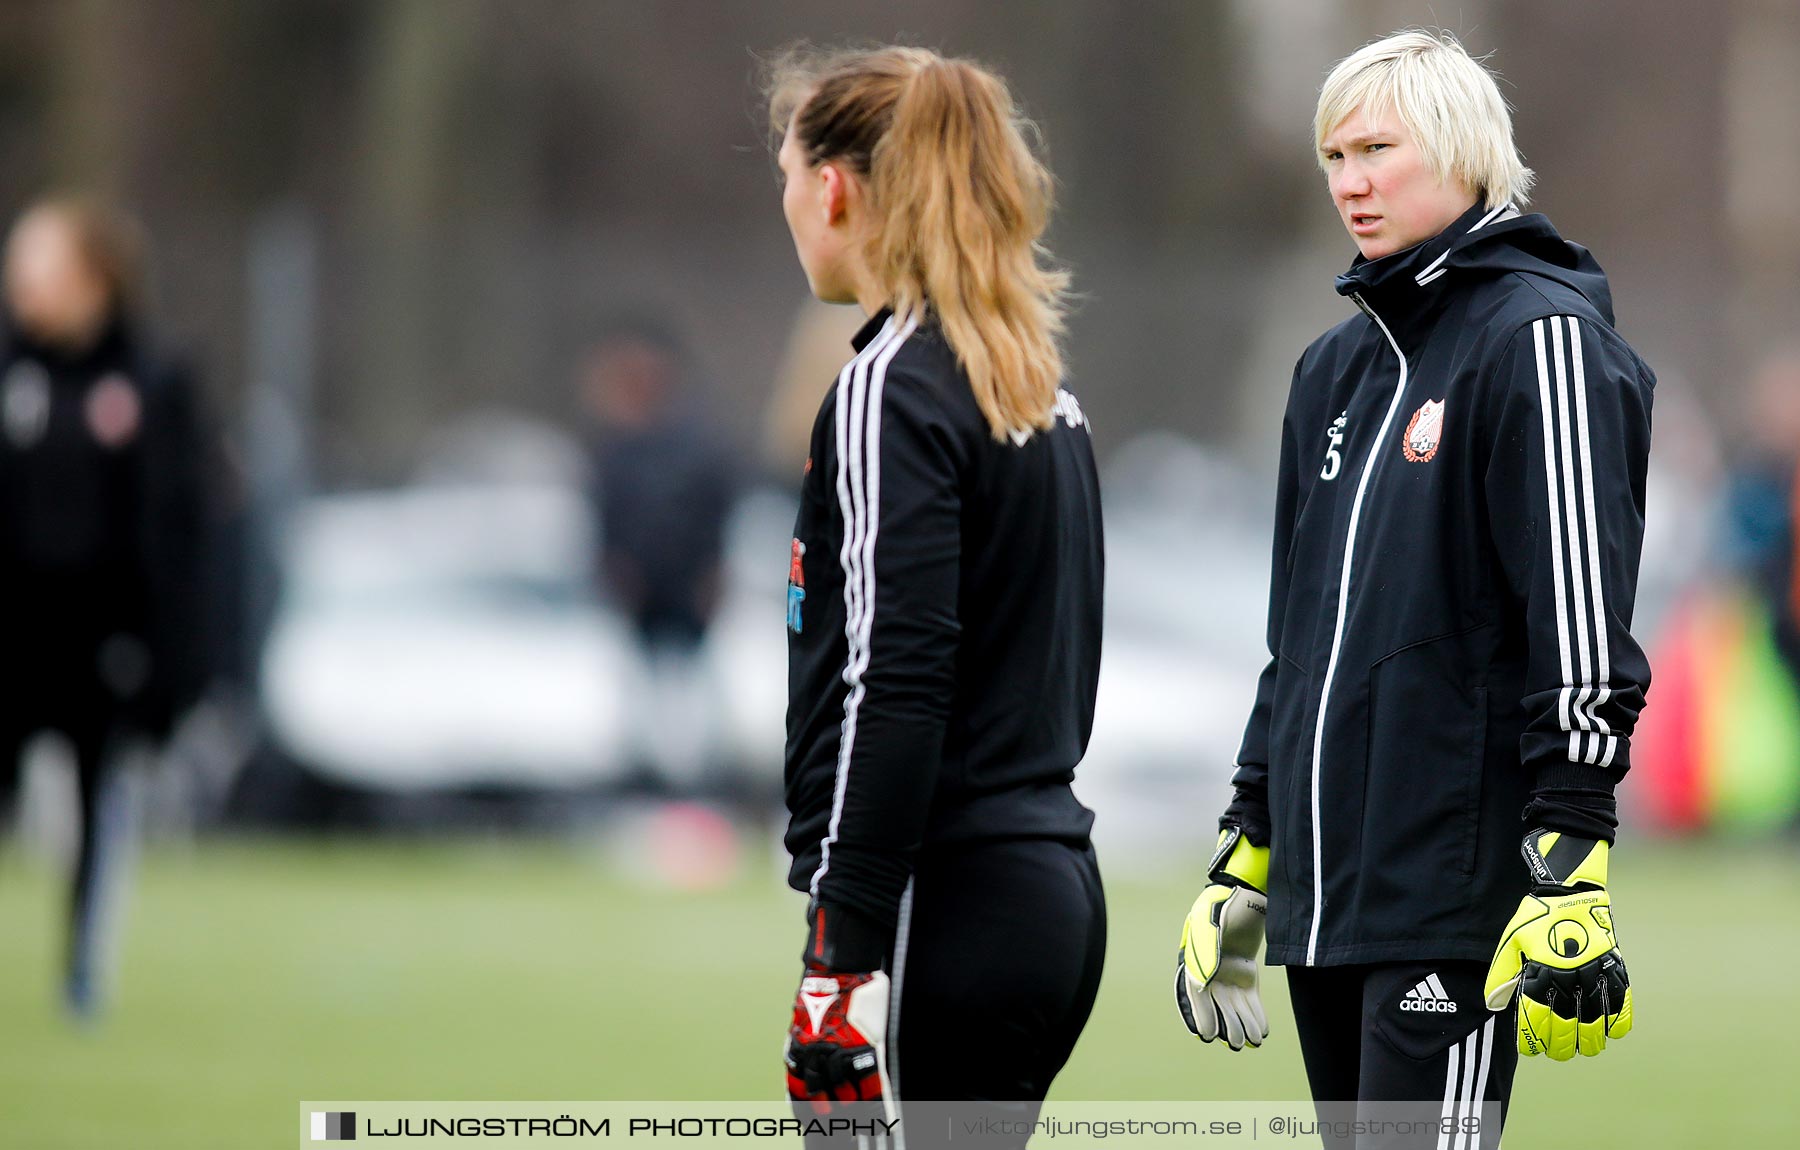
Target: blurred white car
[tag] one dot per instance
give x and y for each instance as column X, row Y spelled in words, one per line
column 1187, row 567
column 446, row 636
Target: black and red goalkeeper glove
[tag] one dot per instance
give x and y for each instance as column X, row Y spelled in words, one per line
column 837, row 1042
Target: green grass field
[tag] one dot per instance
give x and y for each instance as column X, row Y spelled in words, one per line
column 259, row 974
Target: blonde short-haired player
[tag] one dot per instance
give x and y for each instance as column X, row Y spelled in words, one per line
column 1458, row 525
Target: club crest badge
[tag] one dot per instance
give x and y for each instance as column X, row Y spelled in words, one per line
column 114, row 411
column 1424, row 432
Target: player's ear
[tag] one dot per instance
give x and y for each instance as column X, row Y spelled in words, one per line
column 836, row 188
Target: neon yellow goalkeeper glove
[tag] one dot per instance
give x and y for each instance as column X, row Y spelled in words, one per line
column 1560, row 955
column 1215, row 979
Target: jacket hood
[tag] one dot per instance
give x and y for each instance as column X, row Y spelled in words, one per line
column 1482, row 243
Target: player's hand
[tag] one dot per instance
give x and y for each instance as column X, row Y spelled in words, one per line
column 1559, row 954
column 1216, row 975
column 837, row 1042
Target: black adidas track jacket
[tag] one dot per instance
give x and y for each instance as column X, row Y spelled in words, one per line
column 1458, row 524
column 944, row 613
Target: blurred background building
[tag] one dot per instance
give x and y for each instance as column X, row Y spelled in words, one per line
column 390, row 235
column 450, row 193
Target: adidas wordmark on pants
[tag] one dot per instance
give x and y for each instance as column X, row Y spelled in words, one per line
column 1428, row 997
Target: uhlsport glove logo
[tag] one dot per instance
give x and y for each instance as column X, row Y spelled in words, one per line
column 1567, row 937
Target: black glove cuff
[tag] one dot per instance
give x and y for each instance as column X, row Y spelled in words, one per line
column 1585, row 777
column 1576, row 799
column 845, row 941
column 1249, row 809
column 1585, row 814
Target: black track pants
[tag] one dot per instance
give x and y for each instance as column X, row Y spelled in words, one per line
column 1414, row 1032
column 996, row 964
column 103, row 833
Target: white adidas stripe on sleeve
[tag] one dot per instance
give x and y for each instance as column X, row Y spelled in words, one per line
column 1574, row 529
column 858, row 428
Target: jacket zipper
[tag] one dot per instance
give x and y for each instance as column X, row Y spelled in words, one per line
column 1337, row 635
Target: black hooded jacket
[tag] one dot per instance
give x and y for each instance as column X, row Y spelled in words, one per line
column 944, row 594
column 103, row 534
column 1458, row 525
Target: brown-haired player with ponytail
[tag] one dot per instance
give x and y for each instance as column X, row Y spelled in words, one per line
column 944, row 602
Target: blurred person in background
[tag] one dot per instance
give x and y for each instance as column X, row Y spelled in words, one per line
column 944, row 607
column 101, row 533
column 661, row 485
column 1459, row 520
column 1761, row 493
